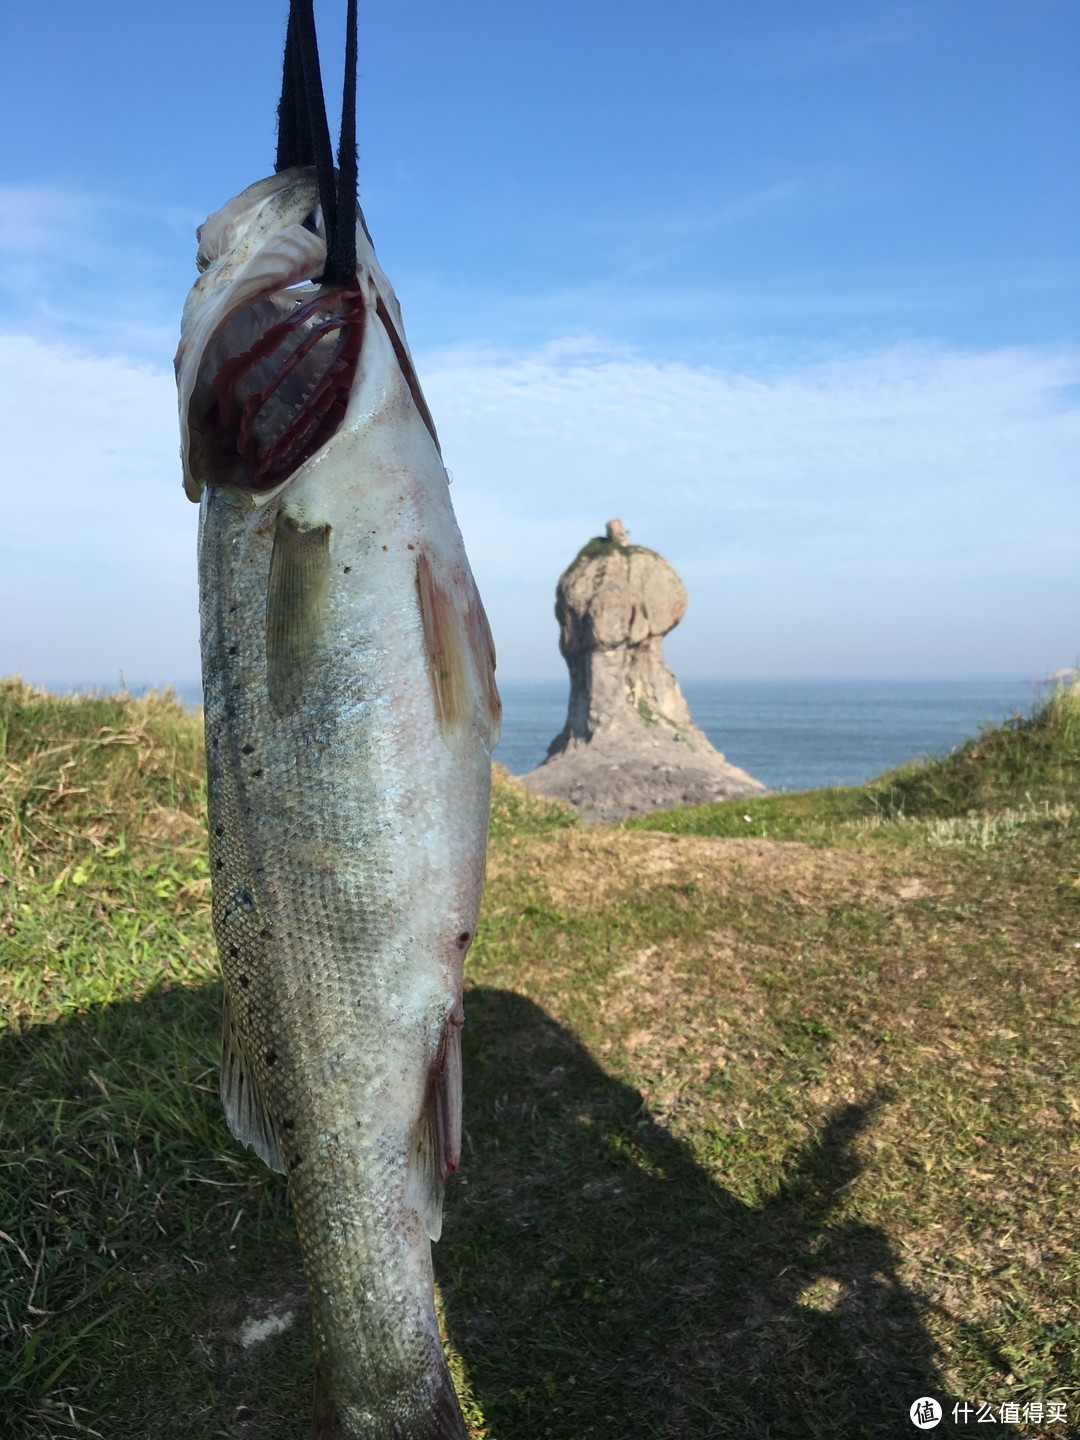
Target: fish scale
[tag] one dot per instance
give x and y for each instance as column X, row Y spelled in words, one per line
column 350, row 715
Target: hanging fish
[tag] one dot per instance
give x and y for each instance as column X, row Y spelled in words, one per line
column 351, row 712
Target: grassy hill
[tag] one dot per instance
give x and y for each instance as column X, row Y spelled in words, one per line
column 771, row 1107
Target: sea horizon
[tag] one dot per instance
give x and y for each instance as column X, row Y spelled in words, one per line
column 790, row 732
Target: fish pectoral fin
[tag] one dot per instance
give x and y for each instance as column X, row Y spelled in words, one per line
column 444, row 648
column 295, row 608
column 460, row 654
column 436, row 1147
column 244, row 1108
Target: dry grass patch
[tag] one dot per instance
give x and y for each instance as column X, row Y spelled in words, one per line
column 751, row 994
column 586, row 870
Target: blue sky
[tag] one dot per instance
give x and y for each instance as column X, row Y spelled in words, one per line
column 791, row 288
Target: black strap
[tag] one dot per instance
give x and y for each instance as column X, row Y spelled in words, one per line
column 341, row 242
column 304, row 135
column 294, row 139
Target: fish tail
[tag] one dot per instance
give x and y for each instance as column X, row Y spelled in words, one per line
column 441, row 1418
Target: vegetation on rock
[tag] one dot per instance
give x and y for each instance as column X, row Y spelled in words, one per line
column 596, row 548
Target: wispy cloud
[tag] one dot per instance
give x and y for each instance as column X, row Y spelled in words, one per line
column 51, row 221
column 911, row 508
column 688, row 222
column 710, row 314
column 910, row 419
column 93, row 268
column 846, row 495
column 663, row 241
column 821, row 45
column 43, row 222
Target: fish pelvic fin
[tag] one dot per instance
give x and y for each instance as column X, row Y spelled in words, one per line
column 245, row 1111
column 434, row 1415
column 295, row 608
column 436, row 1145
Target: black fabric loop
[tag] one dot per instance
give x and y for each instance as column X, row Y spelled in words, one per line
column 294, row 137
column 341, row 244
column 304, row 134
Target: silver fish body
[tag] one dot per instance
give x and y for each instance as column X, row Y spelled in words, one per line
column 350, row 716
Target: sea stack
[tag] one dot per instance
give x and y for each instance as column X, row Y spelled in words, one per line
column 629, row 745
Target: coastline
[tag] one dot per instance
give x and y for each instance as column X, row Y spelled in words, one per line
column 794, row 734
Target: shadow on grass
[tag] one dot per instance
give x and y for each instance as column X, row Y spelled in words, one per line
column 596, row 1281
column 137, row 1236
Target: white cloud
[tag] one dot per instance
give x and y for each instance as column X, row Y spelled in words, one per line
column 906, row 510
column 98, row 546
column 899, row 428
column 843, row 515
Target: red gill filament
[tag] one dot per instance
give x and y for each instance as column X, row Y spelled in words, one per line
column 278, row 421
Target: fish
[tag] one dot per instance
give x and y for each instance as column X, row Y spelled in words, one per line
column 350, row 713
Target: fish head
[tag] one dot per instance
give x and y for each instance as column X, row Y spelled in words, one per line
column 268, row 354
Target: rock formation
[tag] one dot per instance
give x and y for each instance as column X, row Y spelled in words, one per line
column 629, row 745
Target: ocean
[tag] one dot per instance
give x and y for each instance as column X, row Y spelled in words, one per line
column 796, row 734
column 789, row 734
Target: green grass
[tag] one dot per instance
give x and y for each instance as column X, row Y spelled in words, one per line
column 1026, row 770
column 1030, row 758
column 516, row 814
column 771, row 1125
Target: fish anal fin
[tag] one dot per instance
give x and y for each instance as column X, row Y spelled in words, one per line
column 436, row 1147
column 295, row 608
column 443, row 644
column 248, row 1118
